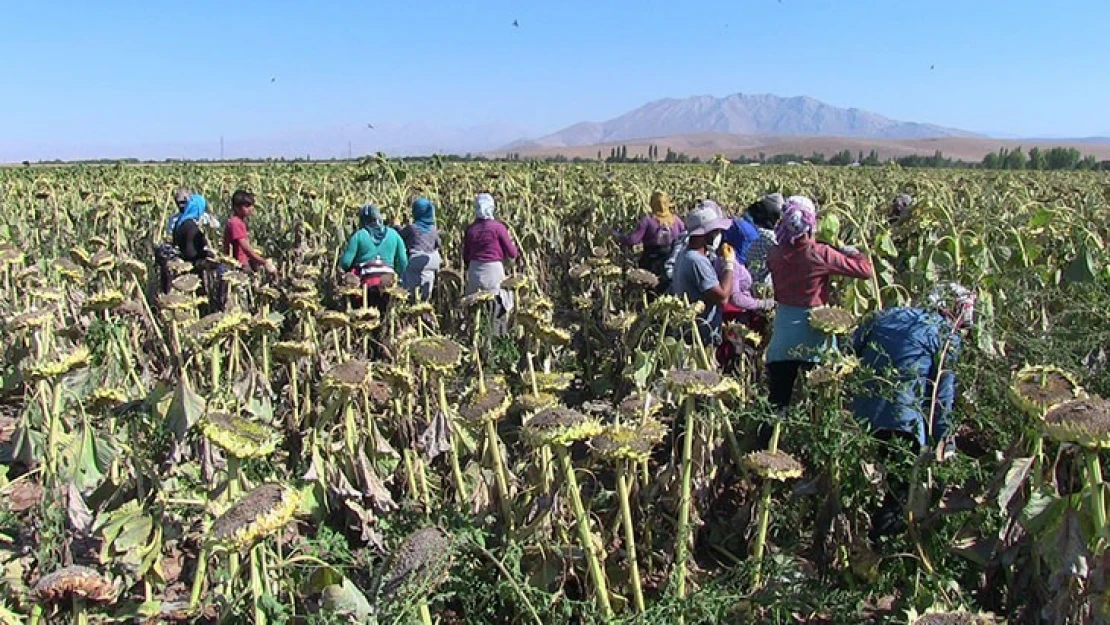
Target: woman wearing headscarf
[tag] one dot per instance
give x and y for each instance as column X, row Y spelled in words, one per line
column 486, row 245
column 764, row 215
column 187, row 235
column 181, row 197
column 423, row 243
column 656, row 232
column 801, row 268
column 375, row 253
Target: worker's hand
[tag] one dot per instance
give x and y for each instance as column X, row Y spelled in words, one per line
column 270, row 268
column 728, row 254
column 849, row 250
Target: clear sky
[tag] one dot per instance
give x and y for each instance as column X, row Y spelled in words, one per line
column 79, row 73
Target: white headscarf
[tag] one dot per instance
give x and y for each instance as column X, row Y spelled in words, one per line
column 483, row 206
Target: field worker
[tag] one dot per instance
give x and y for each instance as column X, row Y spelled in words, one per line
column 486, row 245
column 423, row 243
column 901, row 209
column 742, row 306
column 694, row 275
column 376, row 254
column 236, row 240
column 181, row 197
column 188, row 236
column 801, row 269
column 656, row 232
column 904, row 346
column 912, row 352
column 764, row 215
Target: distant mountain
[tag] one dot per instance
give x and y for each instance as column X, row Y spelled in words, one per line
column 741, row 114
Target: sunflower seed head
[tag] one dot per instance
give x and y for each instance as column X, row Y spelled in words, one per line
column 773, row 465
column 104, row 300
column 626, row 442
column 419, row 564
column 642, row 278
column 1036, row 389
column 350, row 376
column 1085, row 422
column 491, row 405
column 831, row 320
column 560, row 426
column 333, row 319
column 74, row 581
column 293, row 350
column 240, row 437
column 258, row 514
column 699, row 383
column 436, row 352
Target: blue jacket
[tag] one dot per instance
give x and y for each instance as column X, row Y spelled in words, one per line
column 902, row 346
column 740, row 236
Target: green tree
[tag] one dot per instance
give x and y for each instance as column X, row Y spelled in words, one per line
column 1037, row 159
column 1014, row 160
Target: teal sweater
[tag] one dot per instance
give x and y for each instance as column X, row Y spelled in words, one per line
column 362, row 249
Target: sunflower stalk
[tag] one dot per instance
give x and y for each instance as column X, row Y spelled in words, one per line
column 585, row 536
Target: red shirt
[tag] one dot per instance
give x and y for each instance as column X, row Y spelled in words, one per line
column 801, row 272
column 488, row 240
column 235, row 235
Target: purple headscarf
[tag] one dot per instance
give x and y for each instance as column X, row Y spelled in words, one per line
column 799, row 219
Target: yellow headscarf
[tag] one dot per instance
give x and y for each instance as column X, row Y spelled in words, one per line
column 661, row 208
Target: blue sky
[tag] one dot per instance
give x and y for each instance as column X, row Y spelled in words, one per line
column 159, row 73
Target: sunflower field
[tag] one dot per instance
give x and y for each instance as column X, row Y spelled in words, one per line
column 297, row 458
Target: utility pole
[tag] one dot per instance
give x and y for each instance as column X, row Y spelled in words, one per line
column 221, row 147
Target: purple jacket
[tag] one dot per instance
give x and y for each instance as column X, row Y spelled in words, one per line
column 742, row 288
column 648, row 230
column 488, row 240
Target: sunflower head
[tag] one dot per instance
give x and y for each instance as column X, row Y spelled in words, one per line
column 366, row 319
column 132, row 267
column 399, row 379
column 833, row 371
column 634, row 406
column 416, row 310
column 934, row 616
column 580, row 271
column 48, row 294
column 30, row 320
column 212, row 327
column 516, row 282
column 260, row 513
column 529, row 403
column 104, row 300
column 187, row 283
column 551, row 335
column 775, row 465
column 436, row 352
column 69, row 269
column 333, row 319
column 266, row 324
column 348, row 376
column 179, row 302
column 1085, row 422
column 420, row 563
column 831, row 320
column 105, row 398
column 627, row 442
column 491, row 405
column 102, row 261
column 1036, row 389
column 77, row 358
column 620, row 322
column 554, row 382
column 642, row 278
column 477, row 297
column 293, row 350
column 676, row 309
column 699, row 383
column 74, row 582
column 240, row 437
column 560, row 426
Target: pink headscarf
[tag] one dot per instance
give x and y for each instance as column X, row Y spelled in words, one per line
column 799, row 219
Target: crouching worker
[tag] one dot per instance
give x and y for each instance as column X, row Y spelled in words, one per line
column 912, row 352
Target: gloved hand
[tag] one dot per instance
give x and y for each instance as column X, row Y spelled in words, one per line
column 270, row 268
column 728, row 255
column 849, row 250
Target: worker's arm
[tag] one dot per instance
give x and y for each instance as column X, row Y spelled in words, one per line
column 400, row 254
column 347, row 260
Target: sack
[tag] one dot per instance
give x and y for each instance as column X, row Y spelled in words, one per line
column 664, row 237
column 677, row 247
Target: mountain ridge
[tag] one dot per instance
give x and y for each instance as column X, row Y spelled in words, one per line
column 740, row 114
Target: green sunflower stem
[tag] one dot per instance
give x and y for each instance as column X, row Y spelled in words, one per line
column 198, row 579
column 1098, row 499
column 493, row 441
column 257, row 592
column 80, row 613
column 761, row 535
column 425, row 614
column 582, row 521
column 623, row 489
column 456, row 469
column 532, row 373
column 682, row 549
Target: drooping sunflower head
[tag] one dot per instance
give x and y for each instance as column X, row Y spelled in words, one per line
column 419, row 564
column 699, row 383
column 831, row 320
column 266, row 324
column 333, row 319
column 579, row 271
column 260, row 513
column 217, row 325
column 102, row 261
column 187, row 283
column 518, row 282
column 834, row 370
column 366, row 319
column 436, row 352
column 934, row 616
column 47, row 294
column 554, row 382
column 348, row 376
column 132, row 267
column 642, row 278
column 105, row 398
column 740, row 333
column 77, row 358
column 179, row 302
column 30, row 320
column 627, row 442
column 293, row 350
column 491, row 405
column 773, row 465
column 304, row 303
column 1037, row 388
column 74, row 582
column 178, row 267
column 104, row 300
column 399, row 379
column 636, row 406
column 69, row 269
column 621, row 322
column 529, row 403
column 551, row 335
column 477, row 297
column 416, row 310
column 239, row 437
column 560, row 426
column 1085, row 422
column 79, row 255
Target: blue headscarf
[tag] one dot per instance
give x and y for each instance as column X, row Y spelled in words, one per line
column 194, row 209
column 370, row 219
column 423, row 214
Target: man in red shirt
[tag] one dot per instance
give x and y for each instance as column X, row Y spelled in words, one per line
column 236, row 243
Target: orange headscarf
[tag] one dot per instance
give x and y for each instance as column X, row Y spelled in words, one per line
column 661, row 208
